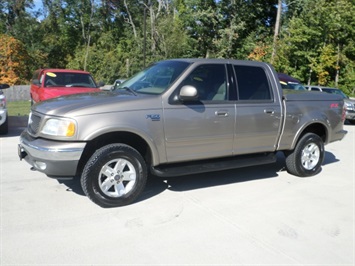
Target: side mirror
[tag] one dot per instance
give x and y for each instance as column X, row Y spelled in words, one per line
column 36, row 82
column 4, row 86
column 188, row 93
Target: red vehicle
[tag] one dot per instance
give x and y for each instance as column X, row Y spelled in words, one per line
column 51, row 83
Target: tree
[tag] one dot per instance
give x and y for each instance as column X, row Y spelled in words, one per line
column 114, row 39
column 200, row 20
column 13, row 61
column 317, row 42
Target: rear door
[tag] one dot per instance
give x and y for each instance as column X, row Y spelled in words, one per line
column 205, row 128
column 258, row 108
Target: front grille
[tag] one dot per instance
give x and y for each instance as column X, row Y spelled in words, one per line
column 33, row 124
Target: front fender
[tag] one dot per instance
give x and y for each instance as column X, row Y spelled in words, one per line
column 150, row 130
column 151, row 142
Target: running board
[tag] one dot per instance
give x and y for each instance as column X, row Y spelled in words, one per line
column 195, row 167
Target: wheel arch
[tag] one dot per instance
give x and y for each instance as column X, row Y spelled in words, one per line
column 317, row 128
column 142, row 145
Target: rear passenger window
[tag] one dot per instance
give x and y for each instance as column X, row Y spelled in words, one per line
column 252, row 83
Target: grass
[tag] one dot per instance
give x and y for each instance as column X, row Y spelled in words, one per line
column 19, row 108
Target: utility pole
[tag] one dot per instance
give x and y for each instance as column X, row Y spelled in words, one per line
column 277, row 29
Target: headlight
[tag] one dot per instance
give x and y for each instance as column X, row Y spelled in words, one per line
column 348, row 106
column 2, row 103
column 59, row 127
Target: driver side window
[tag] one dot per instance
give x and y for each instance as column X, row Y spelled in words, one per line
column 210, row 82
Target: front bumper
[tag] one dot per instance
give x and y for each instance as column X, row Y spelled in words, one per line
column 54, row 158
column 3, row 116
column 350, row 115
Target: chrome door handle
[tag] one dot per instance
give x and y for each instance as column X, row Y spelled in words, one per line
column 221, row 113
column 269, row 111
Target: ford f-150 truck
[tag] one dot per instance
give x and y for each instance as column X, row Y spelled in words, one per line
column 179, row 117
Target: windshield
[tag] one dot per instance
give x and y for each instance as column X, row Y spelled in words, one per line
column 335, row 91
column 68, row 79
column 156, row 78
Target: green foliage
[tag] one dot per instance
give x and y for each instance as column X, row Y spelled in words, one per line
column 115, row 39
column 317, row 46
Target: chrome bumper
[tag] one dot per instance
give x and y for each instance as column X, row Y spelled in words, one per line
column 54, row 158
column 3, row 116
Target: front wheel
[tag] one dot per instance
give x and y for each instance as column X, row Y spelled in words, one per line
column 115, row 175
column 307, row 157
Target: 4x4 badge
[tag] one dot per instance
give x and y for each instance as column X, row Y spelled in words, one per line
column 153, row 117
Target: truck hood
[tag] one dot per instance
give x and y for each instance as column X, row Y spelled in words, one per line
column 61, row 91
column 348, row 100
column 93, row 103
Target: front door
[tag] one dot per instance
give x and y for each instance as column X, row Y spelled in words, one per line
column 205, row 128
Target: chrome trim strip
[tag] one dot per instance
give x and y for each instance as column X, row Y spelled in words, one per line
column 51, row 151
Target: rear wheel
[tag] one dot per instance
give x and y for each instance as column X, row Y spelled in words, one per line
column 307, row 157
column 115, row 175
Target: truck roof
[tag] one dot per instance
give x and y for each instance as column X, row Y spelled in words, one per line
column 287, row 78
column 63, row 70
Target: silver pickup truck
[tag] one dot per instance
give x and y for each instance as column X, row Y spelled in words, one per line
column 179, row 117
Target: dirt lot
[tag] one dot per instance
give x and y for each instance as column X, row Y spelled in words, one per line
column 252, row 216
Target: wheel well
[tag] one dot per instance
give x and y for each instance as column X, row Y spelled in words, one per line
column 127, row 138
column 317, row 129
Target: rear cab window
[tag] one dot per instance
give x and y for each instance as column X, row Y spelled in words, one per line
column 252, row 84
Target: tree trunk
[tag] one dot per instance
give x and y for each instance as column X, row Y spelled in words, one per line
column 310, row 77
column 277, row 29
column 130, row 21
column 337, row 67
column 87, row 35
column 152, row 26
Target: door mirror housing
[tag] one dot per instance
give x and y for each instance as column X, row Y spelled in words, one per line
column 36, row 82
column 188, row 93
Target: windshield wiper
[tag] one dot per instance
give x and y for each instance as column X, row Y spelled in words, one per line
column 130, row 90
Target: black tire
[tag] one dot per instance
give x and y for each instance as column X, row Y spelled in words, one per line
column 307, row 157
column 4, row 128
column 351, row 122
column 114, row 176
